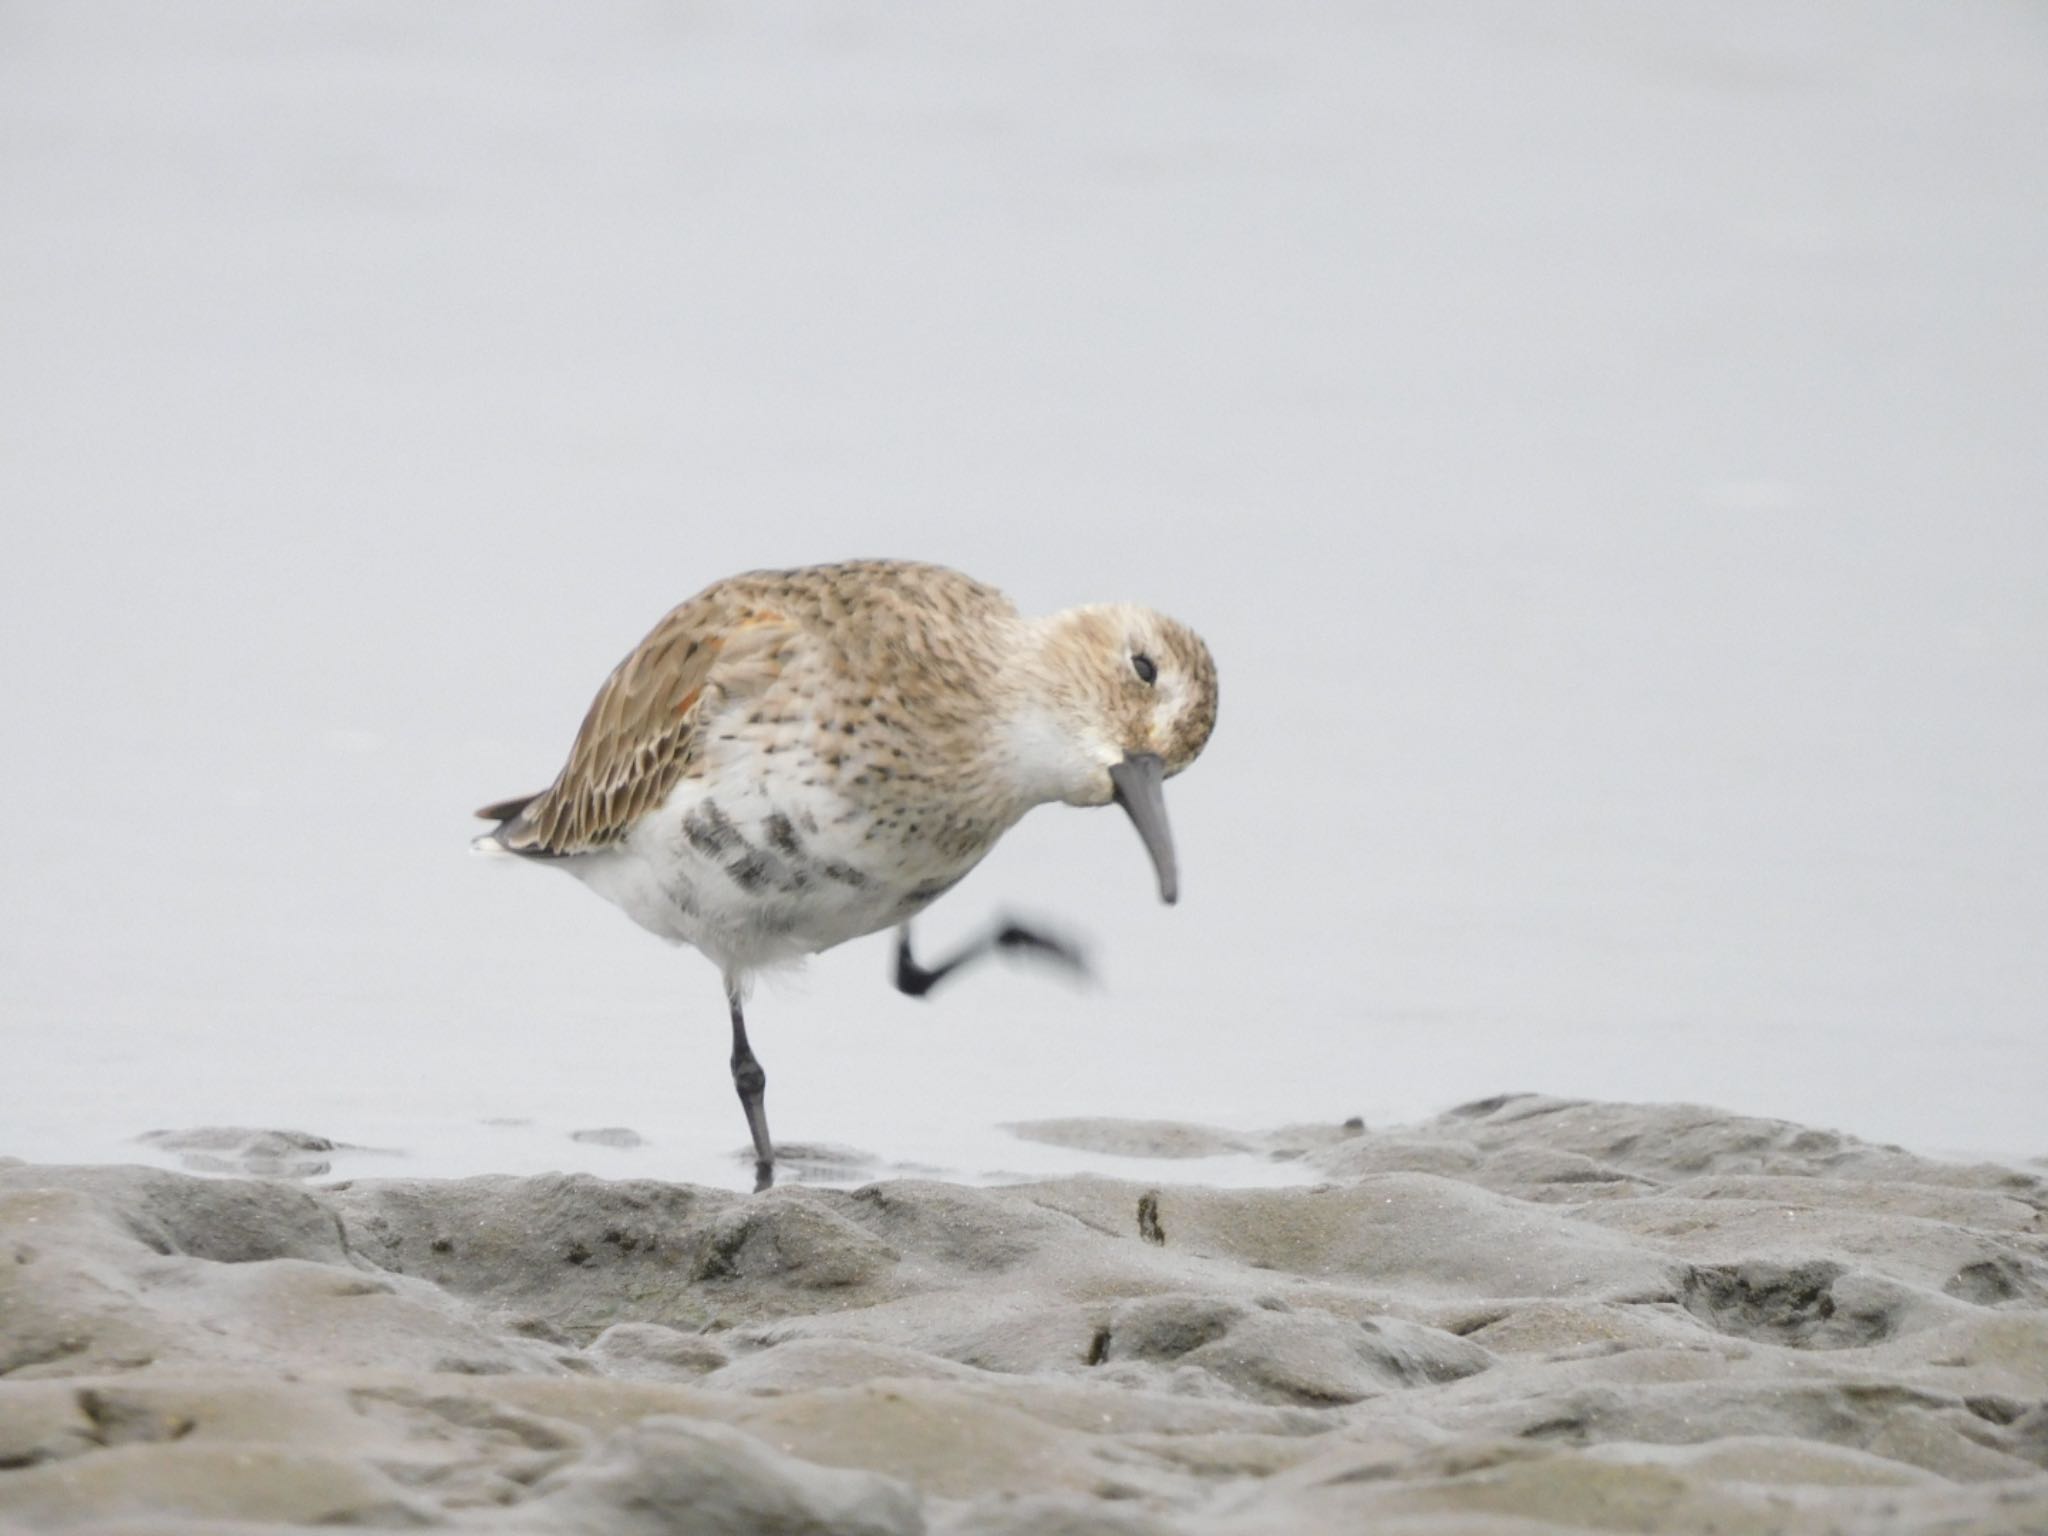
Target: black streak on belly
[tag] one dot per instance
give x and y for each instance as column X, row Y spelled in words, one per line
column 749, row 872
column 782, row 837
column 788, row 868
column 756, row 868
column 710, row 831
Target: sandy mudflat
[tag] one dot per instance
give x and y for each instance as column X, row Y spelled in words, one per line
column 1529, row 1315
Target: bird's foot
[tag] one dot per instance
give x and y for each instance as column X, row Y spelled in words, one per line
column 1068, row 955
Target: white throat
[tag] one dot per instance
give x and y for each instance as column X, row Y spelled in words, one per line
column 1044, row 760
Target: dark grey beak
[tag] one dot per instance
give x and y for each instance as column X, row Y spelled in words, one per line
column 1141, row 790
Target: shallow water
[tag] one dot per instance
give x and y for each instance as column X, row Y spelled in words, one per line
column 1601, row 446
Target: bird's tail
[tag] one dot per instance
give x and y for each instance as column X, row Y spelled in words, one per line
column 504, row 813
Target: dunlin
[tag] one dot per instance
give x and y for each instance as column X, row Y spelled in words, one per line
column 792, row 759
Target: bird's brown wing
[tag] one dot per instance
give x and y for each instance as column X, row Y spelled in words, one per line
column 640, row 735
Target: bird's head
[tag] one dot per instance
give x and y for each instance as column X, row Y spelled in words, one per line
column 1122, row 699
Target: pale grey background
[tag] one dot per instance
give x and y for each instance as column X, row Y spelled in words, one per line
column 1604, row 445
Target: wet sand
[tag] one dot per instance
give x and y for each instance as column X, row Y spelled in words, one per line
column 1527, row 1315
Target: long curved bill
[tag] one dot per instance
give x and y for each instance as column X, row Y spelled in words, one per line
column 1141, row 790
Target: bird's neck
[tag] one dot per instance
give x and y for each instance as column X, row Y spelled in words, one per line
column 1044, row 748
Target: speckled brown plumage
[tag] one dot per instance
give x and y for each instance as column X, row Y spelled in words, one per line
column 735, row 641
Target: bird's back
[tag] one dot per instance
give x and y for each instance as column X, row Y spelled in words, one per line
column 897, row 648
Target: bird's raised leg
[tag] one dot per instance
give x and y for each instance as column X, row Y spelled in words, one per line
column 752, row 1084
column 915, row 980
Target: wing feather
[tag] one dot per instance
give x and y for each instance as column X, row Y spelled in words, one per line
column 641, row 732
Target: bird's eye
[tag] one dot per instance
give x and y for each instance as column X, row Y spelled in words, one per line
column 1142, row 665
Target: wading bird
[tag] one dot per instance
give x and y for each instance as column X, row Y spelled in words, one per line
column 792, row 759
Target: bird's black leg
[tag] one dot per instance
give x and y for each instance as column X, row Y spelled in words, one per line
column 752, row 1084
column 915, row 980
